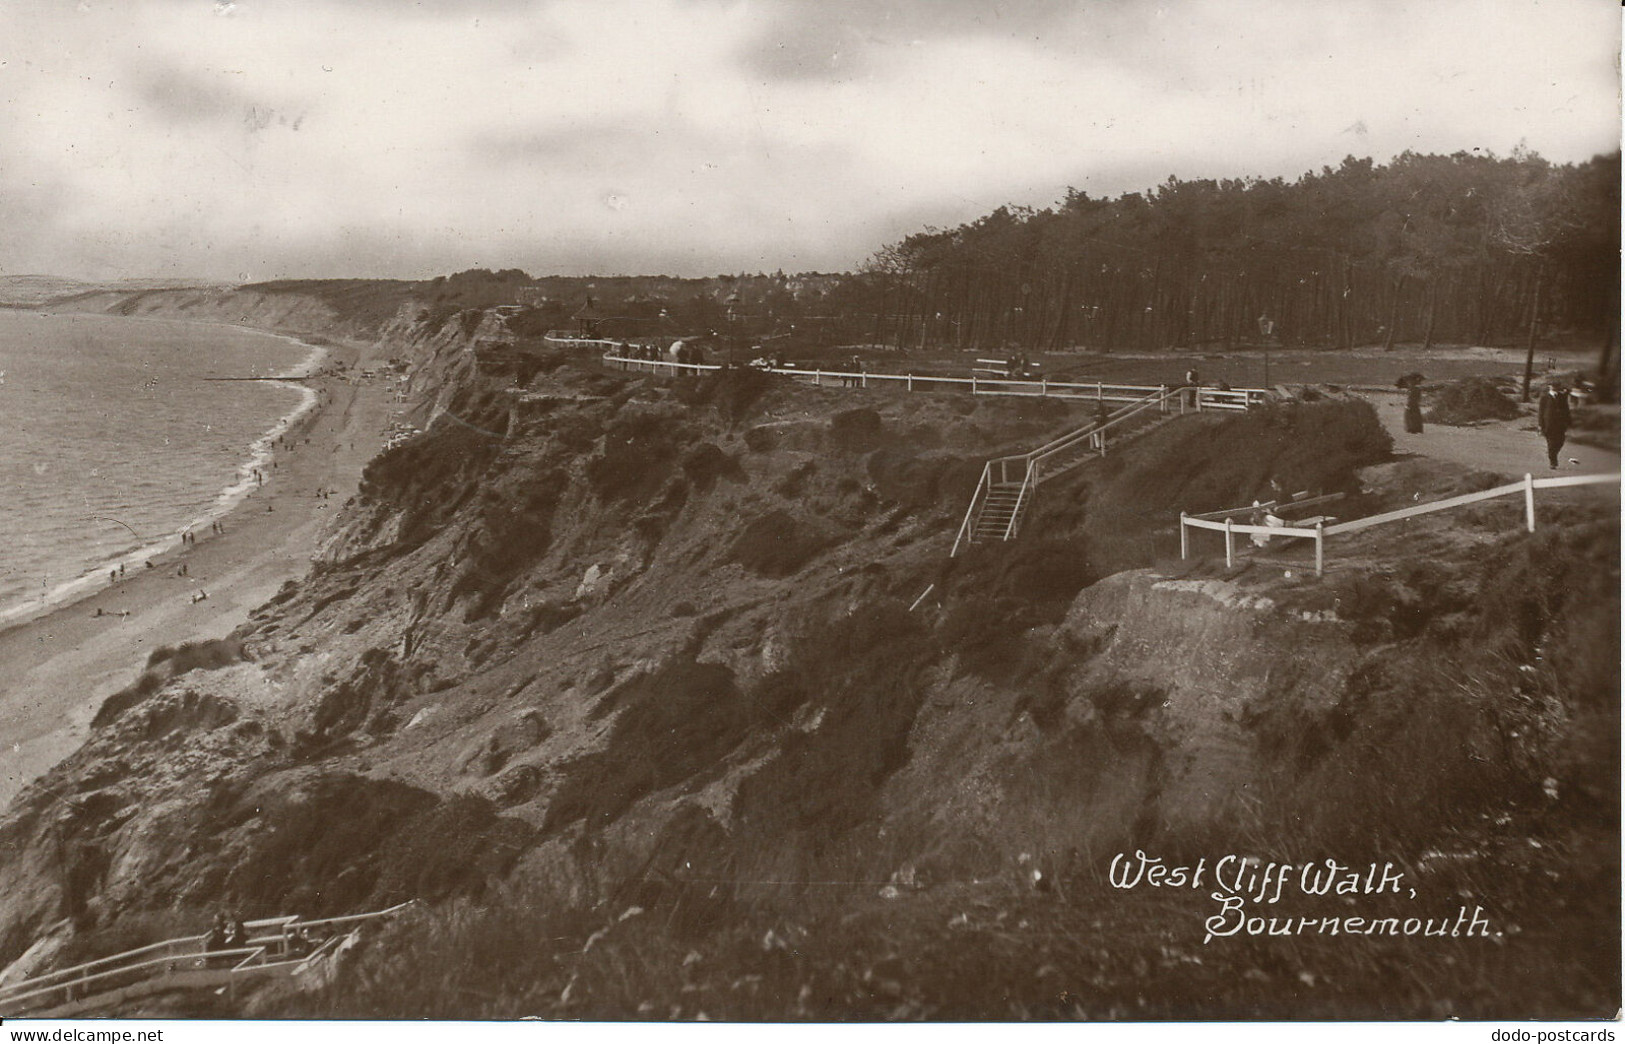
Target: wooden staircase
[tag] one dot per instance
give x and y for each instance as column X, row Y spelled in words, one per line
column 1005, row 492
column 1000, row 513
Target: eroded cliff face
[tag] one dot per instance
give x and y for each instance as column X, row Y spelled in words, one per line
column 633, row 637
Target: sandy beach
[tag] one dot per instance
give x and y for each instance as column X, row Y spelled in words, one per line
column 59, row 667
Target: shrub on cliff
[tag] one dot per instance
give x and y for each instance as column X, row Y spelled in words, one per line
column 640, row 453
column 776, row 544
column 1213, row 463
column 1470, row 400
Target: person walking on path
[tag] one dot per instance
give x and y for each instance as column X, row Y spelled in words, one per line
column 1554, row 419
column 1412, row 383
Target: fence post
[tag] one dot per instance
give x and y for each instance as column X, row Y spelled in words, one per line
column 911, row 382
column 818, row 378
column 1043, row 386
column 1229, row 547
column 1184, row 538
column 1162, row 406
column 973, row 382
column 1320, row 548
column 1529, row 500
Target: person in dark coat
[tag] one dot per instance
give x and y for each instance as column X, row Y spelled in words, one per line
column 1412, row 383
column 1554, row 419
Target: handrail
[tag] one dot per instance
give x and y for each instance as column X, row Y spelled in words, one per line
column 982, row 485
column 1032, row 462
column 1034, row 459
column 75, row 975
column 1527, row 487
column 76, row 969
column 1530, row 482
column 1040, row 387
column 1270, row 505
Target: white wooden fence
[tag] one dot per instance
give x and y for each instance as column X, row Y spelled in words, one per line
column 180, row 962
column 1091, row 391
column 1224, row 521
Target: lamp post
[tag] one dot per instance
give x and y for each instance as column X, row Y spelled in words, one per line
column 733, row 333
column 1266, row 327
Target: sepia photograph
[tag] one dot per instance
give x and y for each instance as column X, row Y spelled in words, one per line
column 797, row 512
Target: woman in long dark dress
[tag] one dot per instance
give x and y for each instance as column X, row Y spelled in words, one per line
column 1413, row 410
column 1412, row 383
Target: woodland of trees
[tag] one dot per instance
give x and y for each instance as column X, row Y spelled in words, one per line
column 1461, row 249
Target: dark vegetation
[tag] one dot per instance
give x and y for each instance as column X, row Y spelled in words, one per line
column 165, row 663
column 777, row 544
column 1459, row 249
column 1426, row 249
column 850, row 880
column 342, row 843
column 1470, row 400
column 995, row 952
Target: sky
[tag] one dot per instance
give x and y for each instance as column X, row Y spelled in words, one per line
column 261, row 139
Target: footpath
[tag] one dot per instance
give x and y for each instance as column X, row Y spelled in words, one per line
column 1512, row 448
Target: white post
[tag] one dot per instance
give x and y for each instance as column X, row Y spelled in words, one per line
column 1529, row 500
column 818, row 378
column 1320, row 548
column 911, row 382
column 1043, row 386
column 1184, row 538
column 973, row 382
column 1229, row 547
column 1162, row 405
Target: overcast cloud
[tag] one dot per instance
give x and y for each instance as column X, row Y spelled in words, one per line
column 287, row 138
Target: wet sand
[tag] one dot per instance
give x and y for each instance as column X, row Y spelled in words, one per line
column 58, row 668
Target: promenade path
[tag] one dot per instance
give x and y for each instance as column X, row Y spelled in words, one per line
column 1509, row 448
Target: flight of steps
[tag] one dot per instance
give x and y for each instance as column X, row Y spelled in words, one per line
column 1004, row 500
column 993, row 520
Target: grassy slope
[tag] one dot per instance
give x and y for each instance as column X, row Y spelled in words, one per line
column 748, row 650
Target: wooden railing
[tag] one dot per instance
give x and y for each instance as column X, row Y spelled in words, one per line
column 1224, row 521
column 1042, row 387
column 173, row 957
column 1060, row 455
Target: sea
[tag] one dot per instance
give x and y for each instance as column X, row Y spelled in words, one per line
column 119, row 433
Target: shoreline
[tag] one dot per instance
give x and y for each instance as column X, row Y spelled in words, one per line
column 65, row 658
column 259, row 455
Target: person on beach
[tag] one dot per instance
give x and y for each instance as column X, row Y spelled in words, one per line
column 112, row 576
column 1554, row 419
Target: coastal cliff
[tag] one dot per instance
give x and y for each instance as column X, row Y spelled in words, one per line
column 591, row 644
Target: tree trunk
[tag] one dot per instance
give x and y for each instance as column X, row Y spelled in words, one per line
column 1534, row 329
column 1393, row 315
column 1607, row 373
column 1433, row 314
